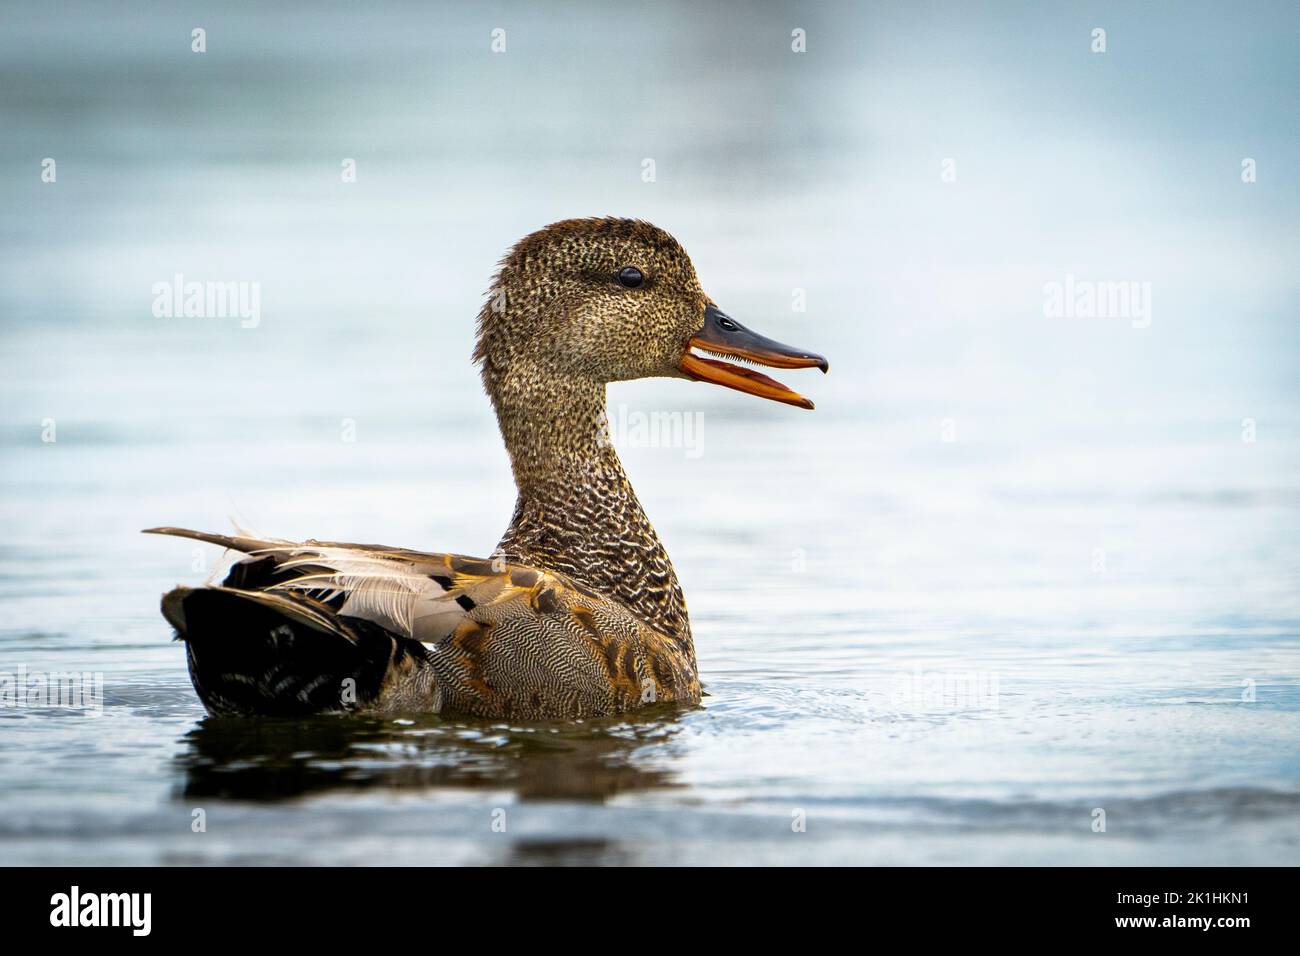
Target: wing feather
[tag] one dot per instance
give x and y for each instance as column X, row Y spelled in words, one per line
column 507, row 638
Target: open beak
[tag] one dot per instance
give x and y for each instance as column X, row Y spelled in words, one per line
column 723, row 335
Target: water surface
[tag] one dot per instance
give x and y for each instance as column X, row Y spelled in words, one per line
column 1014, row 574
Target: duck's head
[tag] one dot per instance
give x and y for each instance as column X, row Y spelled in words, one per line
column 593, row 301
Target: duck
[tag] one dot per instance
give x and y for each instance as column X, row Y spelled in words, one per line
column 578, row 612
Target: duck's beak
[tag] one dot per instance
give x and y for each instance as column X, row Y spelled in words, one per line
column 723, row 335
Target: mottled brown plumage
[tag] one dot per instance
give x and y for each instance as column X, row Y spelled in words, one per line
column 558, row 326
column 579, row 612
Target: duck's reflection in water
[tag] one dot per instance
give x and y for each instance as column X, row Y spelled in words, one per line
column 594, row 852
column 268, row 760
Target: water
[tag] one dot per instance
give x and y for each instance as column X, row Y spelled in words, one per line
column 1098, row 566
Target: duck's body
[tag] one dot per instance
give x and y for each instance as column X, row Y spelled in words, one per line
column 316, row 626
column 578, row 613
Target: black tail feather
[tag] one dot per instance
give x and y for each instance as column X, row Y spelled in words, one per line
column 250, row 657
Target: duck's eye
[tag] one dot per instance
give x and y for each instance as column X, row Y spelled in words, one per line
column 727, row 324
column 630, row 276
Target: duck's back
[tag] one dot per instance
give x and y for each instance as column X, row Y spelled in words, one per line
column 312, row 627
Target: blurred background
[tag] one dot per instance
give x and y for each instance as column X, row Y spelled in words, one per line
column 1099, row 518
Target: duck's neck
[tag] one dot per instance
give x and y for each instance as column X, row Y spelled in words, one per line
column 576, row 512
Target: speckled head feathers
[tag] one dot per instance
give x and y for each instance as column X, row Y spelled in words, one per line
column 558, row 307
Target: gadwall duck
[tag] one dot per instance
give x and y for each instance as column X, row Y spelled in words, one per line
column 578, row 613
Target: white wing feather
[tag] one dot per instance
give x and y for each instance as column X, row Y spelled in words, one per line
column 395, row 594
